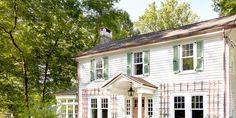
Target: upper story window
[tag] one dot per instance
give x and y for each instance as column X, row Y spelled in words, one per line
column 188, row 57
column 99, row 68
column 138, row 63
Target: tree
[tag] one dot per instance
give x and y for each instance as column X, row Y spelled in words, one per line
column 225, row 7
column 37, row 41
column 169, row 15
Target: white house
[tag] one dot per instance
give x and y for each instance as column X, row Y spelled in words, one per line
column 185, row 72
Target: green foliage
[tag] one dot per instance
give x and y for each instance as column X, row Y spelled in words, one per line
column 37, row 40
column 169, row 15
column 225, row 7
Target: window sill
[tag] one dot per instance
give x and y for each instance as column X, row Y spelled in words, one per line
column 187, row 72
column 98, row 80
column 139, row 75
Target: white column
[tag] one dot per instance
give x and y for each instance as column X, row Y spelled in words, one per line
column 140, row 105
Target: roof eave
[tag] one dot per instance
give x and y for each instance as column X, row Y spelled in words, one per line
column 194, row 33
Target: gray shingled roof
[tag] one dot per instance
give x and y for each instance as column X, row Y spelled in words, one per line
column 67, row 92
column 136, row 79
column 212, row 25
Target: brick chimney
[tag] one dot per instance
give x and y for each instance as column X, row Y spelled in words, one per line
column 105, row 35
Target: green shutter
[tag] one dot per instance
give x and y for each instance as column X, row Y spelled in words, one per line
column 92, row 67
column 146, row 62
column 199, row 56
column 176, row 59
column 105, row 71
column 129, row 63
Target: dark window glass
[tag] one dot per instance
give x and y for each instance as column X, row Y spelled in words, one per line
column 197, row 113
column 94, row 113
column 104, row 113
column 179, row 113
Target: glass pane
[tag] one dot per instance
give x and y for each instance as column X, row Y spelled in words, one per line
column 197, row 113
column 70, row 100
column 93, row 103
column 94, row 113
column 179, row 113
column 99, row 73
column 187, row 63
column 104, row 113
column 138, row 69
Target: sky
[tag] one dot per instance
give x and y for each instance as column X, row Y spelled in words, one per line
column 136, row 8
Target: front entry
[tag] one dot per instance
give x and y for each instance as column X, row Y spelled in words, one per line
column 135, row 107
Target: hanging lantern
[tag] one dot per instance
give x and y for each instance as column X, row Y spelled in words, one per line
column 131, row 91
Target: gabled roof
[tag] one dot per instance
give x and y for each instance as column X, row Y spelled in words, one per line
column 67, row 92
column 198, row 28
column 132, row 78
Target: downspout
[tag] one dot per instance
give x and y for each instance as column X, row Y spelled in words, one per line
column 224, row 69
column 78, row 95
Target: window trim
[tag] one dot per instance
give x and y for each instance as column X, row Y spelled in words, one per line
column 194, row 57
column 128, row 111
column 133, row 64
column 147, row 102
column 95, row 69
column 74, row 104
column 99, row 107
column 188, row 101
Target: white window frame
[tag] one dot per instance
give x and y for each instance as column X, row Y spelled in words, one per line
column 197, row 103
column 147, row 104
column 95, row 68
column 184, row 107
column 104, row 103
column 194, row 57
column 133, row 63
column 188, row 103
column 128, row 107
column 74, row 104
column 99, row 106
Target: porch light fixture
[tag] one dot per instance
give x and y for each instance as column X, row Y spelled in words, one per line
column 131, row 91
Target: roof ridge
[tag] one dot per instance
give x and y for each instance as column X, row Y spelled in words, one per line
column 164, row 35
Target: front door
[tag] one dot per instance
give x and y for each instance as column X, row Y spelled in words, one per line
column 135, row 107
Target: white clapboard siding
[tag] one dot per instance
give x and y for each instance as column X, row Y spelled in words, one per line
column 161, row 68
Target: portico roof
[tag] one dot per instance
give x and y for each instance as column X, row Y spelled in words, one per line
column 137, row 80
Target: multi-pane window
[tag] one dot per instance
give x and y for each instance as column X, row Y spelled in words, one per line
column 99, row 107
column 104, row 107
column 150, row 107
column 67, row 108
column 128, row 107
column 197, row 106
column 187, row 57
column 179, row 106
column 94, row 110
column 99, row 68
column 138, row 63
